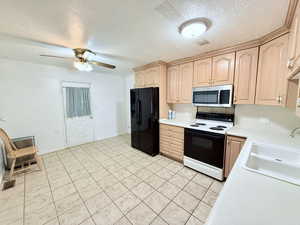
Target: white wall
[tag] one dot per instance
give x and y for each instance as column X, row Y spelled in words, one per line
column 248, row 116
column 129, row 84
column 184, row 112
column 31, row 102
column 266, row 117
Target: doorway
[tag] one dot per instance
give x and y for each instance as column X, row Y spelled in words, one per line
column 79, row 121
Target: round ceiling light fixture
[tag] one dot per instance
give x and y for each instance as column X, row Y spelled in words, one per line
column 193, row 28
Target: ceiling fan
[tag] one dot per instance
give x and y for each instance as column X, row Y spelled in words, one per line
column 81, row 61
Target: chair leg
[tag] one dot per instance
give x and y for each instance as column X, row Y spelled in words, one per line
column 12, row 168
column 38, row 161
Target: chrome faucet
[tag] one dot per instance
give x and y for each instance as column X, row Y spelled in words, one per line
column 294, row 131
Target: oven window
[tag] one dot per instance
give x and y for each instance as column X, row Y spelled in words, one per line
column 203, row 143
column 205, row 97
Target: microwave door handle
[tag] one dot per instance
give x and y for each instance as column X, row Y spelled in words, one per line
column 219, row 96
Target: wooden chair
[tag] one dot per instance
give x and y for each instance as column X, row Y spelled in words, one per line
column 24, row 154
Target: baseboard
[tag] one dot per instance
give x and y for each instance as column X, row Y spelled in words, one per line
column 97, row 139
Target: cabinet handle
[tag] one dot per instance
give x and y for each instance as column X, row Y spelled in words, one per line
column 290, row 64
column 279, row 99
column 234, row 98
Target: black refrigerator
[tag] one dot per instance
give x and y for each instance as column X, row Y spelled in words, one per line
column 144, row 108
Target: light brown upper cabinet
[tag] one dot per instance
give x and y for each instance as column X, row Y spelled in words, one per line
column 154, row 75
column 185, row 83
column 179, row 83
column 294, row 44
column 139, row 79
column 245, row 76
column 173, row 84
column 223, row 69
column 151, row 77
column 202, row 73
column 272, row 73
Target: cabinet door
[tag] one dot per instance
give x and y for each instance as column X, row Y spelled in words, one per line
column 245, row 76
column 185, row 82
column 223, row 69
column 156, row 76
column 202, row 73
column 233, row 149
column 139, row 79
column 172, row 141
column 294, row 43
column 151, row 77
column 272, row 73
column 172, row 84
column 148, row 79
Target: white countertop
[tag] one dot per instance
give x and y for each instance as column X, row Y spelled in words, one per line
column 249, row 198
column 179, row 123
column 206, row 127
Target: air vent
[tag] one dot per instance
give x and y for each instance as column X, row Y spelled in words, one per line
column 203, row 42
column 167, row 10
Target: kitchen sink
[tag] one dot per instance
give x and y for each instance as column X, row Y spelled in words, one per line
column 278, row 162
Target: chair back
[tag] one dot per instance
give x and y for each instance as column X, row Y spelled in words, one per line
column 8, row 144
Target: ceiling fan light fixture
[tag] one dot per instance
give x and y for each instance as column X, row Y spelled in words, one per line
column 193, row 28
column 83, row 66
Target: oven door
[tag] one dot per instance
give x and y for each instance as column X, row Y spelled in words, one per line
column 204, row 146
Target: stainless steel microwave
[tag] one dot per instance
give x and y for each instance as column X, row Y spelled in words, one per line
column 216, row 96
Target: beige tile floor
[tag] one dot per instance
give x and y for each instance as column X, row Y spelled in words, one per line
column 108, row 182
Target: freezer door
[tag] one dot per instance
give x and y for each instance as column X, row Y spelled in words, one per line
column 135, row 118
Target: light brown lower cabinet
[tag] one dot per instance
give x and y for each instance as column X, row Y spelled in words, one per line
column 172, row 141
column 233, row 148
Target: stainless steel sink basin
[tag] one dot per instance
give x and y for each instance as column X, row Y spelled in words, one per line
column 274, row 161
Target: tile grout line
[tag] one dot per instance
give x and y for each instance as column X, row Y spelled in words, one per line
column 200, row 202
column 73, row 184
column 125, row 215
column 46, row 172
column 171, row 200
column 112, row 201
column 93, row 150
column 156, row 189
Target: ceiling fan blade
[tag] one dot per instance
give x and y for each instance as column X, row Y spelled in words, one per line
column 112, row 56
column 30, row 41
column 102, row 64
column 54, row 56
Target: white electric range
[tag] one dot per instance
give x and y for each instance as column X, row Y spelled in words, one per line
column 204, row 143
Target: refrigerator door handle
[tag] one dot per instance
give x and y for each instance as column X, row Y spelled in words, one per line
column 140, row 112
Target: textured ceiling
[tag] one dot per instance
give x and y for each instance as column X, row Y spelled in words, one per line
column 129, row 32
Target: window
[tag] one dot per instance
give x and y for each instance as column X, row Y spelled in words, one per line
column 78, row 102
